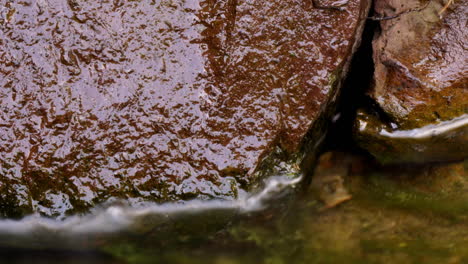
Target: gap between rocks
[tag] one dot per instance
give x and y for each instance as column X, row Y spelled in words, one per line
column 353, row 93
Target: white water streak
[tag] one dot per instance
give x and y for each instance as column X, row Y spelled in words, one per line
column 429, row 130
column 116, row 218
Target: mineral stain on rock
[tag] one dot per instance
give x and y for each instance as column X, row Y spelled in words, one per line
column 160, row 100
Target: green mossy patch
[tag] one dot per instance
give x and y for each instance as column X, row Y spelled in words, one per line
column 397, row 214
column 388, row 145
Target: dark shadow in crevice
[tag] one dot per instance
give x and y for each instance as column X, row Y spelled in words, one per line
column 353, row 94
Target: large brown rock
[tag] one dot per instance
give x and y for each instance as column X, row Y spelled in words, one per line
column 161, row 100
column 420, row 83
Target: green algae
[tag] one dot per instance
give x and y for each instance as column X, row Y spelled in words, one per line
column 404, row 214
column 388, row 145
column 385, row 193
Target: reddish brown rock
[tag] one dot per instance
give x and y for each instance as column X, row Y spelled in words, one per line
column 420, row 82
column 160, row 100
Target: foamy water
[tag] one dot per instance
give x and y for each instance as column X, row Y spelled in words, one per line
column 120, row 218
column 429, row 130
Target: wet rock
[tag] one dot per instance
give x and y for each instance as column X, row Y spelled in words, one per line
column 328, row 181
column 442, row 141
column 420, row 83
column 162, row 100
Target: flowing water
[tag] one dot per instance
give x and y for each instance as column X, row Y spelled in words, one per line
column 397, row 214
column 413, row 214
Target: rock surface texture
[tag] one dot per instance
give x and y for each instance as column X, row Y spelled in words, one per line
column 420, row 83
column 160, row 100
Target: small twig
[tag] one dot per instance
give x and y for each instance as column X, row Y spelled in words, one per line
column 446, row 6
column 380, row 18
